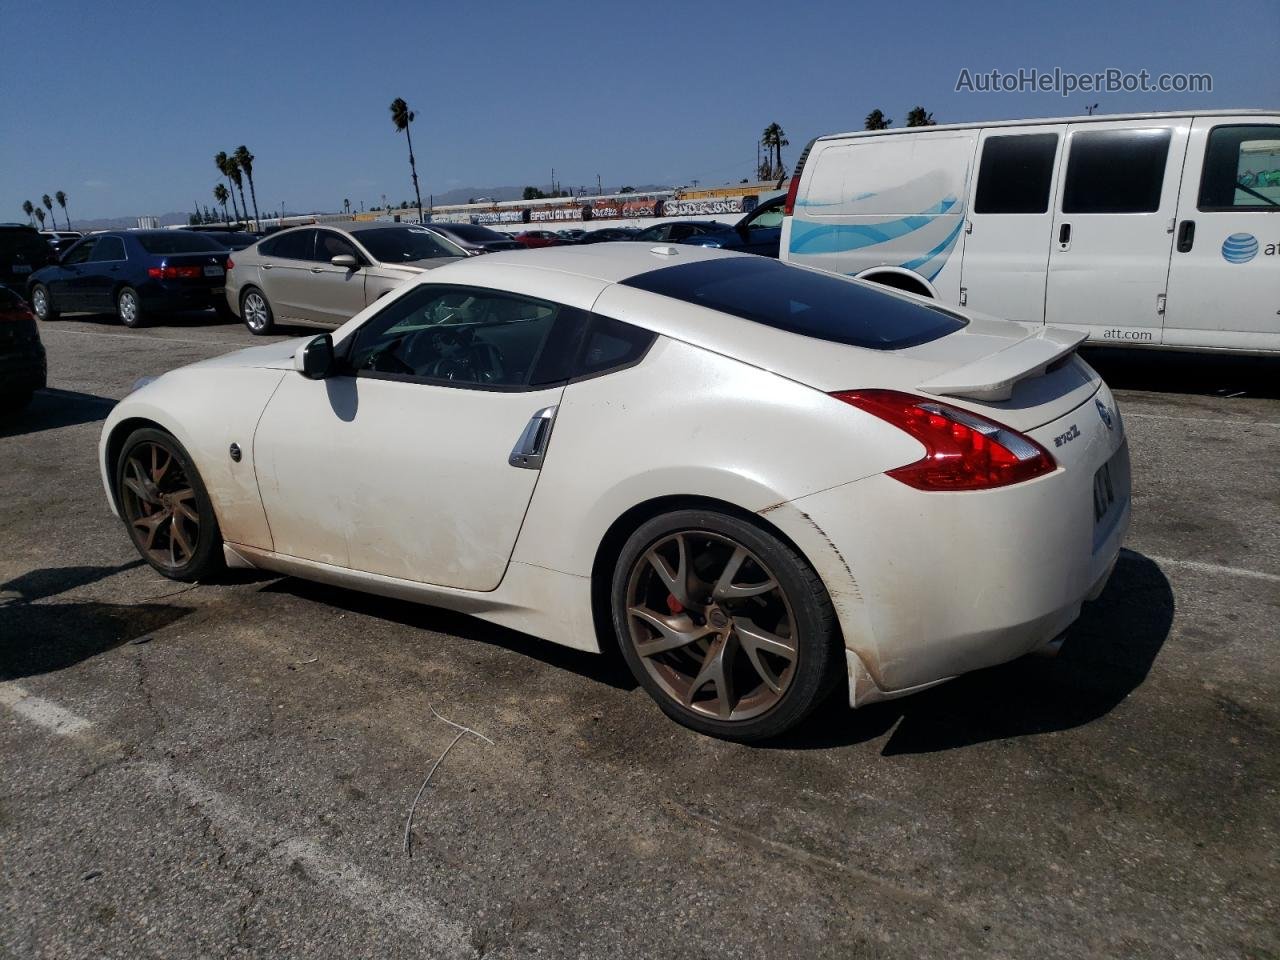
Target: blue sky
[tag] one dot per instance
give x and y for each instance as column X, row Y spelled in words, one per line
column 123, row 106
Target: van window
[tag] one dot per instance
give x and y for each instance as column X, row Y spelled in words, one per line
column 1115, row 171
column 1241, row 169
column 908, row 174
column 1016, row 174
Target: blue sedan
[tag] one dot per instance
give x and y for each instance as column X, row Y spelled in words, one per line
column 133, row 274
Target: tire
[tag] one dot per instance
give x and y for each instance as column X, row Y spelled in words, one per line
column 42, row 303
column 787, row 667
column 256, row 311
column 129, row 308
column 158, row 495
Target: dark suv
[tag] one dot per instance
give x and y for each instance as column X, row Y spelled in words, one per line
column 22, row 359
column 22, row 252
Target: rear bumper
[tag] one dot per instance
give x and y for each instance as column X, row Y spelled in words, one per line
column 164, row 297
column 928, row 586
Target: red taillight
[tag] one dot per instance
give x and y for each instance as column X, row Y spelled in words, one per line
column 174, row 273
column 230, row 263
column 789, row 207
column 15, row 314
column 963, row 451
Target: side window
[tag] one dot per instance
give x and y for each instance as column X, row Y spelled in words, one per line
column 107, row 249
column 1016, row 174
column 330, row 245
column 1115, row 171
column 610, row 344
column 464, row 336
column 80, row 252
column 293, row 245
column 768, row 219
column 1241, row 169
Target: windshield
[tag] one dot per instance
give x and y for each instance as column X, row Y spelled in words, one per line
column 178, row 241
column 467, row 231
column 805, row 302
column 406, row 244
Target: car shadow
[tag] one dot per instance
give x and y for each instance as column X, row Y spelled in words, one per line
column 1206, row 374
column 1107, row 655
column 42, row 637
column 50, row 409
column 608, row 669
column 185, row 319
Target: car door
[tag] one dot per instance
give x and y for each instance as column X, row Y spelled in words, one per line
column 286, row 271
column 1113, row 230
column 333, row 295
column 405, row 463
column 761, row 230
column 64, row 282
column 1005, row 263
column 102, row 272
column 1224, row 277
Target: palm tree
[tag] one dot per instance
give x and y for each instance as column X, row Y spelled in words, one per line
column 919, row 117
column 233, row 171
column 346, row 205
column 245, row 159
column 876, row 120
column 48, row 202
column 223, row 163
column 220, row 195
column 40, row 216
column 29, row 208
column 775, row 138
column 402, row 116
column 62, row 202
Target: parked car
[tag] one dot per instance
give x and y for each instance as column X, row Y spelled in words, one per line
column 758, row 232
column 606, row 234
column 867, row 486
column 678, row 231
column 1146, row 230
column 473, row 238
column 230, row 239
column 22, row 252
column 60, row 240
column 572, row 235
column 135, row 274
column 23, row 367
column 326, row 274
column 533, row 239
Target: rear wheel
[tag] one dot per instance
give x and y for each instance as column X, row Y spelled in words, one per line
column 166, row 507
column 42, row 303
column 724, row 625
column 129, row 307
column 256, row 312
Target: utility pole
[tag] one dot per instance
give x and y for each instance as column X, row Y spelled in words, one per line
column 599, row 185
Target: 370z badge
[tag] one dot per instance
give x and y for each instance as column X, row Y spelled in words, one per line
column 1065, row 438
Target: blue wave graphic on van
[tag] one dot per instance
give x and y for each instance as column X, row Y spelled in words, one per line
column 1240, row 248
column 930, row 264
column 809, row 237
column 834, row 203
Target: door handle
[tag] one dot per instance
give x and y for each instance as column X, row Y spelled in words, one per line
column 317, row 269
column 1186, row 236
column 1064, row 234
column 530, row 449
column 267, row 266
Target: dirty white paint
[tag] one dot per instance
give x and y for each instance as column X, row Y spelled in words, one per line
column 41, row 712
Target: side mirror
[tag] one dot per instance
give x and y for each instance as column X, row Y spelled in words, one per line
column 314, row 358
column 345, row 260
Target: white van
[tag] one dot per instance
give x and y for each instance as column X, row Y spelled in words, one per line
column 1154, row 229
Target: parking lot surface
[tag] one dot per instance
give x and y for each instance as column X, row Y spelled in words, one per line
column 227, row 769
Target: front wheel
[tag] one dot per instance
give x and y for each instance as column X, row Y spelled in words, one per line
column 129, row 307
column 256, row 312
column 42, row 303
column 165, row 505
column 724, row 625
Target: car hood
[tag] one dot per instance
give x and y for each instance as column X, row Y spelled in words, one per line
column 271, row 356
column 415, row 267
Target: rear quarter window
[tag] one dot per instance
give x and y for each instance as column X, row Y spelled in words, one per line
column 808, row 303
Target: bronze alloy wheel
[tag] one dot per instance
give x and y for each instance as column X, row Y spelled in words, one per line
column 159, row 505
column 712, row 625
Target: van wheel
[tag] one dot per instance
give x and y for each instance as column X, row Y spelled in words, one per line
column 898, row 281
column 129, row 307
column 256, row 312
column 42, row 303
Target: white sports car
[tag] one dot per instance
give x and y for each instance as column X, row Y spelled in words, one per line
column 754, row 478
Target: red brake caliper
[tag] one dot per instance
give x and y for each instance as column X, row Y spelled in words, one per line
column 674, row 605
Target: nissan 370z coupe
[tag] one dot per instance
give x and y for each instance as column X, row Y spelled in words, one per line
column 755, row 479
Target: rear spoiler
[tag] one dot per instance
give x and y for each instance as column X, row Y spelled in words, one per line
column 993, row 377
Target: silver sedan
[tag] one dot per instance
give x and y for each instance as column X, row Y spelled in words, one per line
column 323, row 275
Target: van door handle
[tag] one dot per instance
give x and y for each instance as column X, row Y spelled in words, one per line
column 531, row 448
column 1064, row 234
column 1186, row 236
